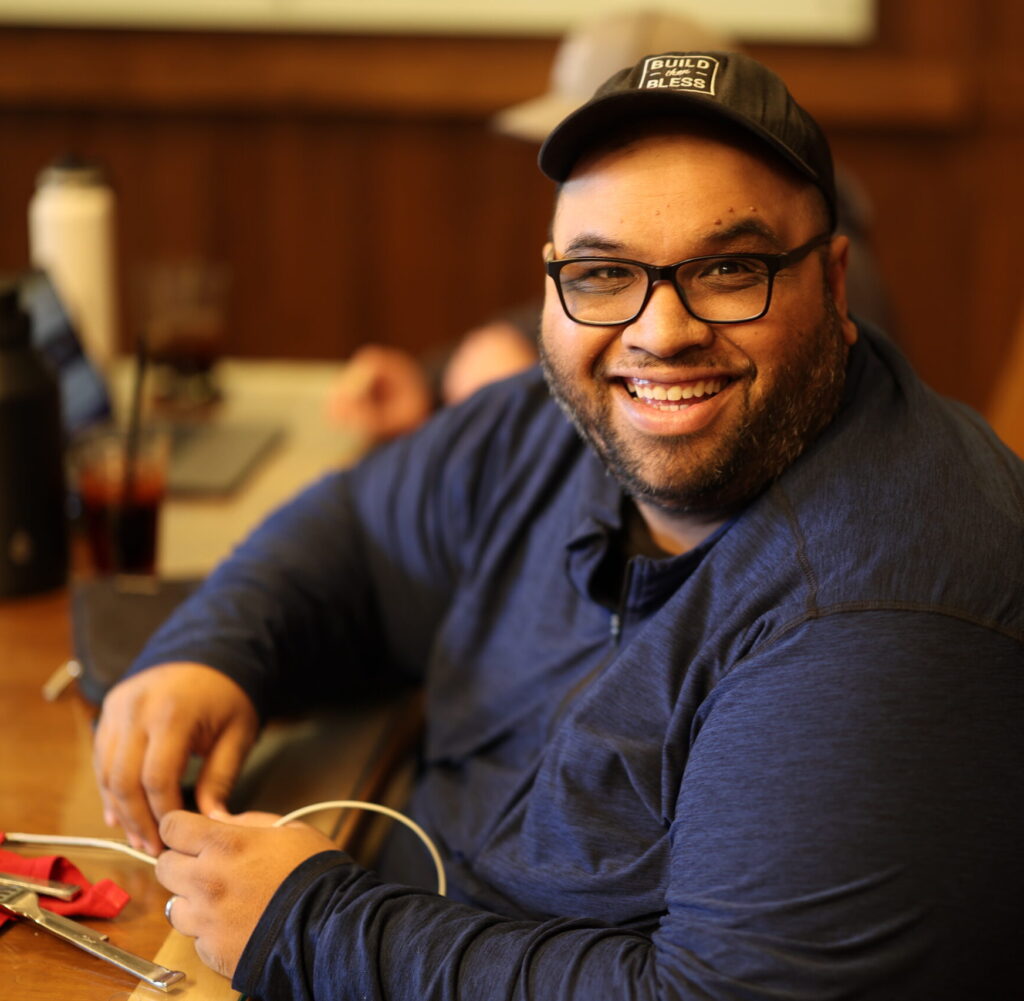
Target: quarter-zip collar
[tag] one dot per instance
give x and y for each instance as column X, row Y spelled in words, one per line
column 598, row 526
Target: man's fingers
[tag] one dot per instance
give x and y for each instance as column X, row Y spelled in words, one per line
column 224, row 874
column 222, row 765
column 145, row 781
column 118, row 765
column 184, row 833
column 251, row 818
column 182, row 916
column 149, row 725
column 139, row 755
column 162, row 768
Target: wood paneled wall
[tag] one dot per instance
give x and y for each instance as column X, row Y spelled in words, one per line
column 353, row 184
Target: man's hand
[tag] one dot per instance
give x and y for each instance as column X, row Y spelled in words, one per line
column 149, row 726
column 223, row 873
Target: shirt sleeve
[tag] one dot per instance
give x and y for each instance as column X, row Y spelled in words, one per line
column 846, row 826
column 345, row 584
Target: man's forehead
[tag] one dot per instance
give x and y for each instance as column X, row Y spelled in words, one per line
column 689, row 175
column 751, row 230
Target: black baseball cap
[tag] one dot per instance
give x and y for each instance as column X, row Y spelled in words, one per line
column 722, row 86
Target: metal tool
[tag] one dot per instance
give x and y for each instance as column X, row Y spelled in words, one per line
column 44, row 887
column 25, row 904
column 49, row 888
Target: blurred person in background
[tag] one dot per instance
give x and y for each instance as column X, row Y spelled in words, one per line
column 387, row 391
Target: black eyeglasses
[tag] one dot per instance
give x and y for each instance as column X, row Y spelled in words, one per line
column 719, row 288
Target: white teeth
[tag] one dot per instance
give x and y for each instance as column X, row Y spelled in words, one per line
column 661, row 393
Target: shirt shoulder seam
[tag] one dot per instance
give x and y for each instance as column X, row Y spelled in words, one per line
column 848, row 607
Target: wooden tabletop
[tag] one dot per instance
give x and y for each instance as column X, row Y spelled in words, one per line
column 47, row 787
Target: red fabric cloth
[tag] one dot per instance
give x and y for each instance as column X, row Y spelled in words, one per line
column 104, row 899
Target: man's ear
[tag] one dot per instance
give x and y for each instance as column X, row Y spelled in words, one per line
column 835, row 275
column 548, row 252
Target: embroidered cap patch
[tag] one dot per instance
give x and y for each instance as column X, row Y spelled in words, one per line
column 695, row 73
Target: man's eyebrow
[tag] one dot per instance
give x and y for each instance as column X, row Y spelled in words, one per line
column 592, row 243
column 716, row 239
column 744, row 227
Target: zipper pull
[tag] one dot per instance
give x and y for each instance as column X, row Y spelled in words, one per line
column 615, row 626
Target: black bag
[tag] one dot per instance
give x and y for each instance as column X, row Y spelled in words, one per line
column 111, row 619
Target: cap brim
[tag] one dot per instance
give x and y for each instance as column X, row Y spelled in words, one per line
column 582, row 130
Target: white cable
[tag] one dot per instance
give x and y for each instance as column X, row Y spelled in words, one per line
column 332, row 804
column 64, row 839
column 342, row 804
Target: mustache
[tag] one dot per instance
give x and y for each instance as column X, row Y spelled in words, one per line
column 699, row 359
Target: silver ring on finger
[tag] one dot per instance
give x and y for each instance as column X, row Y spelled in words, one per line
column 167, row 909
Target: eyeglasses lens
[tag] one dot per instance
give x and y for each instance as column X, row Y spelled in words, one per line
column 723, row 289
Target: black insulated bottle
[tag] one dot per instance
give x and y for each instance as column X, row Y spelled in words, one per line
column 33, row 519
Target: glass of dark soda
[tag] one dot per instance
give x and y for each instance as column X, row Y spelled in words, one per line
column 121, row 483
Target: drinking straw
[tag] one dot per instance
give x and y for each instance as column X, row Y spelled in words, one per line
column 131, row 444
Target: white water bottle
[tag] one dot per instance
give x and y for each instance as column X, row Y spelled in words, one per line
column 71, row 236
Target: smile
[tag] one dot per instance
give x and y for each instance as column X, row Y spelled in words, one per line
column 673, row 396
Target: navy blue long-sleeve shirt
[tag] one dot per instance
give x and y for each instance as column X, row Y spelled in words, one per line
column 788, row 764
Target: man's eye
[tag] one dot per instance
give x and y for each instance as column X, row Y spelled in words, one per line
column 731, row 267
column 594, row 277
column 727, row 274
column 606, row 272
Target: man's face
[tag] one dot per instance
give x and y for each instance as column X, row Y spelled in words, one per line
column 695, row 418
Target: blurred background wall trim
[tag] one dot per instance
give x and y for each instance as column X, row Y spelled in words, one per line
column 354, row 185
column 838, row 21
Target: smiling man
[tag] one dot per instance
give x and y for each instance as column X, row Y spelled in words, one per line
column 724, row 675
column 700, row 384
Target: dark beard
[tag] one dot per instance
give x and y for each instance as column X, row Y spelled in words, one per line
column 766, row 442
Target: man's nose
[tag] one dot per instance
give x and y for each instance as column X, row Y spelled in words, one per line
column 666, row 326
